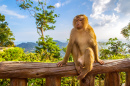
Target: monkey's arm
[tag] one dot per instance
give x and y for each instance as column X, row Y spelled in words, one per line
column 68, row 51
column 95, row 48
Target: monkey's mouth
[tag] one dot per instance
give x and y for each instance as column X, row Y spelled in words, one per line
column 78, row 27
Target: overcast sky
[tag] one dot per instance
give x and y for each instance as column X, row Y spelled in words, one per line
column 107, row 17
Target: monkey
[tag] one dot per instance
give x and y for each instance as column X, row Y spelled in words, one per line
column 83, row 46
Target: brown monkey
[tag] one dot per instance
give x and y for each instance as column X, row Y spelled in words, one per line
column 83, row 46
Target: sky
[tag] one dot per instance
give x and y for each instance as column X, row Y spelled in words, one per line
column 107, row 17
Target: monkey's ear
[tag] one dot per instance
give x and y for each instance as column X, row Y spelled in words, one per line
column 75, row 17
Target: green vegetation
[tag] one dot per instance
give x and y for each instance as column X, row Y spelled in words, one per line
column 6, row 36
column 49, row 50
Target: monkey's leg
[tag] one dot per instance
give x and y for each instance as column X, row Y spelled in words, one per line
column 88, row 63
column 75, row 53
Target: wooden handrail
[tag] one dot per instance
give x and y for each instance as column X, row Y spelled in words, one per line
column 17, row 70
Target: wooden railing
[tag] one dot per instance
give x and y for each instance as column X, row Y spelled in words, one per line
column 18, row 72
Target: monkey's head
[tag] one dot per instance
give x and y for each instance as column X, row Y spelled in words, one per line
column 80, row 22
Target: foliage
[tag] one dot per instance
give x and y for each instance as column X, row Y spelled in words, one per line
column 49, row 49
column 126, row 31
column 114, row 47
column 6, row 36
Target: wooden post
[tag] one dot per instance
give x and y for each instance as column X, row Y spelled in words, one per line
column 88, row 81
column 127, row 79
column 53, row 81
column 112, row 79
column 18, row 82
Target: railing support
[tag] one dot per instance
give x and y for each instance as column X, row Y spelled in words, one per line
column 53, row 81
column 88, row 81
column 18, row 82
column 112, row 79
column 127, row 79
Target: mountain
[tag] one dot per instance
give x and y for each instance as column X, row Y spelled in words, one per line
column 30, row 46
column 61, row 44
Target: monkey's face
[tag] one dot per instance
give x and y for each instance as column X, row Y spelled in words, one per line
column 79, row 23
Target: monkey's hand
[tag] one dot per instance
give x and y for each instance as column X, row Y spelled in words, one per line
column 61, row 63
column 100, row 61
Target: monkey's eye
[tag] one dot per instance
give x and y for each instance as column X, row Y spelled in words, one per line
column 80, row 20
column 76, row 20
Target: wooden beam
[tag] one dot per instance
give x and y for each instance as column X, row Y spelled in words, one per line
column 41, row 70
column 112, row 79
column 18, row 82
column 127, row 79
column 53, row 81
column 89, row 80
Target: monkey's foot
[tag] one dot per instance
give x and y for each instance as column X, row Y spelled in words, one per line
column 83, row 73
column 101, row 62
column 78, row 69
column 81, row 76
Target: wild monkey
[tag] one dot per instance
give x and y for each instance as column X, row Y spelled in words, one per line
column 83, row 46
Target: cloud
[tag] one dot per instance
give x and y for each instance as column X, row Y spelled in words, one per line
column 4, row 10
column 59, row 4
column 111, row 31
column 123, row 7
column 99, row 8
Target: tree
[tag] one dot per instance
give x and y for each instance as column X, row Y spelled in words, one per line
column 44, row 15
column 49, row 50
column 45, row 18
column 114, row 47
column 126, row 31
column 6, row 35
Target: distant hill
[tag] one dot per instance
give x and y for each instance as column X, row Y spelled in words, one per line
column 61, row 44
column 30, row 46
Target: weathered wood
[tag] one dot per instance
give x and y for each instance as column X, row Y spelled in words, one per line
column 127, row 79
column 41, row 70
column 112, row 79
column 53, row 81
column 89, row 80
column 18, row 82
